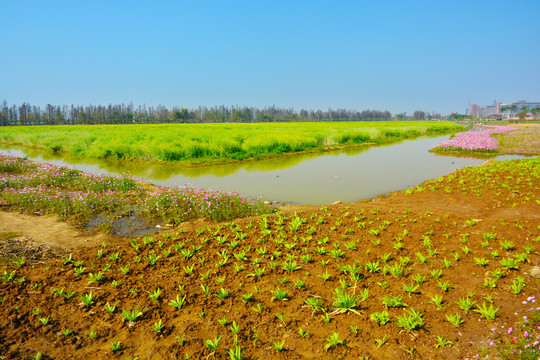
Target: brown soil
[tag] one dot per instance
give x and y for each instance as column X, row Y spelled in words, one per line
column 455, row 212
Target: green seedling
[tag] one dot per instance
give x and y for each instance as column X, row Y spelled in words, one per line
column 109, row 308
column 412, row 320
column 154, row 295
column 44, row 320
column 380, row 317
column 393, row 301
column 280, row 295
column 87, row 299
column 409, row 289
column 158, row 326
column 465, row 303
column 178, row 302
column 489, row 313
column 132, row 315
column 116, row 346
column 222, row 293
column 455, row 319
column 333, row 340
column 381, row 342
column 279, row 345
column 442, row 342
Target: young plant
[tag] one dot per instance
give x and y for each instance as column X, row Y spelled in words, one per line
column 489, row 313
column 278, row 346
column 223, row 293
column 235, row 328
column 333, row 340
column 178, row 302
column 124, row 270
column 437, row 301
column 315, row 304
column 446, row 286
column 116, row 346
column 94, row 278
column 481, row 261
column 509, row 263
column 517, row 285
column 394, row 301
column 154, row 295
column 291, row 266
column 280, row 295
column 465, row 303
column 380, row 317
column 158, row 326
column 381, row 342
column 455, row 319
column 409, row 289
column 442, row 342
column 44, row 320
column 87, row 299
column 372, row 266
column 345, row 301
column 132, row 315
column 412, row 320
column 419, row 279
column 109, row 308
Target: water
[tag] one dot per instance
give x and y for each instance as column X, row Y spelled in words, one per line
column 346, row 175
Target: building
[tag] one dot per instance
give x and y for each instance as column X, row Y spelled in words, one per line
column 485, row 111
column 509, row 109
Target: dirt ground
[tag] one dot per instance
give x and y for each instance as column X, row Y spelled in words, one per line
column 525, row 141
column 451, row 221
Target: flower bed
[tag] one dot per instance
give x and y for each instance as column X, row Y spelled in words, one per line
column 34, row 186
column 480, row 141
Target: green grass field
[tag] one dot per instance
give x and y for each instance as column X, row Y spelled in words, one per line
column 190, row 144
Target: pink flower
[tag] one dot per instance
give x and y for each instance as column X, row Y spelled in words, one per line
column 525, row 334
column 510, row 330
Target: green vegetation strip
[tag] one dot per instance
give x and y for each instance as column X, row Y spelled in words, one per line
column 191, row 144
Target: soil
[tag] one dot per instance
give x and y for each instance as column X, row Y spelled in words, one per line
column 441, row 216
column 524, row 141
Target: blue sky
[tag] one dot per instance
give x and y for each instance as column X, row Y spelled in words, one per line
column 399, row 56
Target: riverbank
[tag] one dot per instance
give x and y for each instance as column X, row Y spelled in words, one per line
column 523, row 141
column 106, row 201
column 416, row 274
column 188, row 145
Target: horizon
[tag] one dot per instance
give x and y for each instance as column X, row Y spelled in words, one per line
column 394, row 56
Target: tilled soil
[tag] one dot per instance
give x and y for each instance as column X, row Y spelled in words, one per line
column 295, row 264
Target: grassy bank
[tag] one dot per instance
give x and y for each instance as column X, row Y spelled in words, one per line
column 190, row 144
column 41, row 187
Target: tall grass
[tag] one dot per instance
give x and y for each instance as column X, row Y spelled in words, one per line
column 206, row 143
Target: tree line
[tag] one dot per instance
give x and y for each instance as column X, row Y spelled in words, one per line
column 27, row 114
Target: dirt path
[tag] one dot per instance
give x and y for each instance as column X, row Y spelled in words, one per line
column 41, row 237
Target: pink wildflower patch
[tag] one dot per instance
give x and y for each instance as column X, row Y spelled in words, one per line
column 475, row 140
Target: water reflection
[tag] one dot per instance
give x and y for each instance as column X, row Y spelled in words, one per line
column 347, row 175
column 156, row 171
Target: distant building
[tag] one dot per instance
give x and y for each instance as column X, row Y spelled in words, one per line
column 473, row 111
column 495, row 109
column 485, row 111
column 520, row 104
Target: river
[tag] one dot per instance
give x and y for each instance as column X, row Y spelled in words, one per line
column 347, row 175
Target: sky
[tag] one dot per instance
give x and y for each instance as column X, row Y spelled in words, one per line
column 400, row 56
